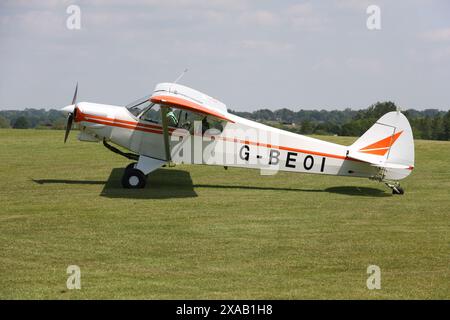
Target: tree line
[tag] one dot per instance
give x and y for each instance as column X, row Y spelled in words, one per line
column 429, row 124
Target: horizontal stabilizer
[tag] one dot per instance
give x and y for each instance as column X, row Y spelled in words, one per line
column 394, row 166
column 377, row 161
column 365, row 157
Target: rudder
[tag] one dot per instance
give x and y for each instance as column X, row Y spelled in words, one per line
column 388, row 143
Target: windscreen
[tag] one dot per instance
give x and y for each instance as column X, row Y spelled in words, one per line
column 137, row 106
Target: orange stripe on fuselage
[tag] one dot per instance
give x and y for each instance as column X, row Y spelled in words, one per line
column 125, row 122
column 132, row 125
column 125, row 126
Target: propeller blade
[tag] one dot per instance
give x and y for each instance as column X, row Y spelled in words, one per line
column 68, row 126
column 71, row 115
column 74, row 100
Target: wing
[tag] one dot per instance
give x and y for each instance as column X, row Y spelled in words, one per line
column 182, row 97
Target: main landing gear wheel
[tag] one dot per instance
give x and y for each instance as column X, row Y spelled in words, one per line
column 133, row 179
column 131, row 166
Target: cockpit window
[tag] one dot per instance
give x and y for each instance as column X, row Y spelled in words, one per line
column 136, row 107
column 152, row 114
column 177, row 118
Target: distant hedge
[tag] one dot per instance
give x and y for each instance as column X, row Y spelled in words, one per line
column 430, row 124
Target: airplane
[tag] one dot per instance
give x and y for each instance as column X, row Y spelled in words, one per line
column 177, row 124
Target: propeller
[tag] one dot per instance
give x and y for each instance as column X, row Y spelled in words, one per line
column 71, row 115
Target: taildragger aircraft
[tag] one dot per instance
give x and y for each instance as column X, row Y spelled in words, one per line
column 177, row 124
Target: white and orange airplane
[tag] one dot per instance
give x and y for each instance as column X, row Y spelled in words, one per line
column 177, row 124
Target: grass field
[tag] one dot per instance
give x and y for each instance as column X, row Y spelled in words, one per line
column 200, row 232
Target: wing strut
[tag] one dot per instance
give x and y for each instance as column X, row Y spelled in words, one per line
column 165, row 132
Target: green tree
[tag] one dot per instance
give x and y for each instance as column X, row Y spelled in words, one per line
column 59, row 124
column 437, row 128
column 285, row 115
column 4, row 123
column 446, row 126
column 21, row 123
column 306, row 127
column 376, row 110
column 264, row 114
column 425, row 127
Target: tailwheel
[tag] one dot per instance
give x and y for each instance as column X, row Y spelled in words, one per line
column 133, row 179
column 398, row 190
column 395, row 186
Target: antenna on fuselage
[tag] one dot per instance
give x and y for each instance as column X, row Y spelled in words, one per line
column 181, row 75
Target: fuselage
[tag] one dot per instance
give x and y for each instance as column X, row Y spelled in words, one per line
column 240, row 143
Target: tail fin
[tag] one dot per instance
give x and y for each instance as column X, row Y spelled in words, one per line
column 387, row 144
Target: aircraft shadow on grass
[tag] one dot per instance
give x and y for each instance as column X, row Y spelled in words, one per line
column 346, row 190
column 173, row 183
column 161, row 184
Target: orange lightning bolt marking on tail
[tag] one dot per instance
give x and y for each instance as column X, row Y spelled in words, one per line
column 381, row 147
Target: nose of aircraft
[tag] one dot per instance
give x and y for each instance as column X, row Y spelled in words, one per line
column 69, row 108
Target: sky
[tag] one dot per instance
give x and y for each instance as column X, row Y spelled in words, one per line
column 248, row 54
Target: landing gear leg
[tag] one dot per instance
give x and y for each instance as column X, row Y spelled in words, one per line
column 395, row 186
column 135, row 174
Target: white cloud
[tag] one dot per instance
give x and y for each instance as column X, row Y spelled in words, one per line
column 214, row 16
column 35, row 22
column 305, row 17
column 266, row 46
column 175, row 4
column 356, row 5
column 437, row 55
column 325, row 64
column 43, row 4
column 260, row 18
column 437, row 35
column 366, row 65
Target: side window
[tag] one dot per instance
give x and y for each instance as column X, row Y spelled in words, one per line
column 182, row 119
column 214, row 124
column 186, row 119
column 153, row 114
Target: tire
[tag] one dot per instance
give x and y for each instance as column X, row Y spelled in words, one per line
column 131, row 166
column 133, row 179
